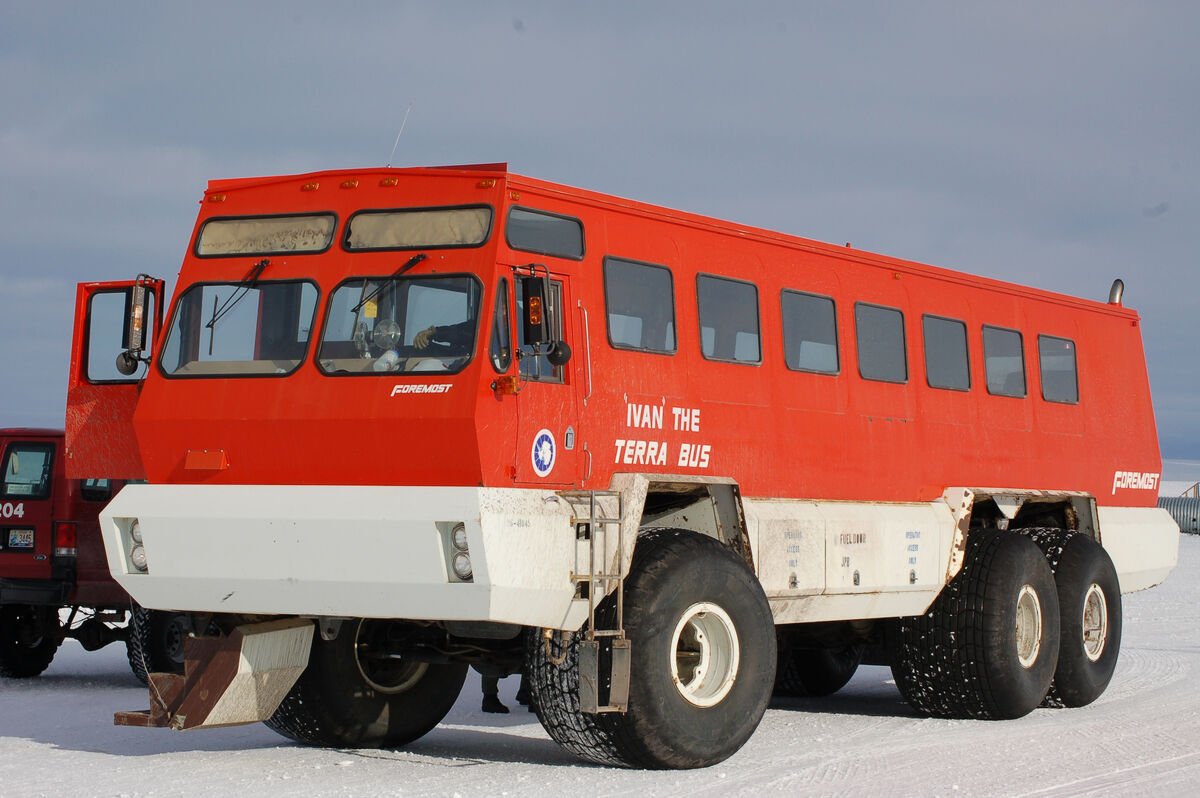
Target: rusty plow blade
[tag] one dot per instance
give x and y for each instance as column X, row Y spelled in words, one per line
column 240, row 678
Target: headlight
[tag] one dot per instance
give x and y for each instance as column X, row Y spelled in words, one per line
column 458, row 536
column 135, row 532
column 462, row 566
column 138, row 557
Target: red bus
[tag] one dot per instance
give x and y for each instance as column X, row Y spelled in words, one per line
column 400, row 422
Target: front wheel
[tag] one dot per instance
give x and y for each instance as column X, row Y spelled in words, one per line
column 29, row 638
column 155, row 642
column 358, row 693
column 702, row 648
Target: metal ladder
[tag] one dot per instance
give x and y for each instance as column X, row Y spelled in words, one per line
column 592, row 524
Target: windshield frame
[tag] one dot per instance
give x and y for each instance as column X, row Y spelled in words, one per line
column 463, row 362
column 236, row 285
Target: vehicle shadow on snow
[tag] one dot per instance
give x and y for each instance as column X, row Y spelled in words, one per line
column 871, row 693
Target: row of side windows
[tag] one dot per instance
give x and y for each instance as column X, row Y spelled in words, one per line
column 640, row 301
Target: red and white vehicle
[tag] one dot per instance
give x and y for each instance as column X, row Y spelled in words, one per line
column 52, row 563
column 403, row 421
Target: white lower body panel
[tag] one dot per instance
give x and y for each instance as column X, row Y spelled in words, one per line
column 358, row 551
column 1143, row 543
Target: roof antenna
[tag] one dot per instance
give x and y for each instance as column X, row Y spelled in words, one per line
column 396, row 143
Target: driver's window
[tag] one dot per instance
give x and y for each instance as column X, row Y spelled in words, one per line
column 534, row 364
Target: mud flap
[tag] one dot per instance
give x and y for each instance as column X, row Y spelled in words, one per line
column 590, row 680
column 240, row 678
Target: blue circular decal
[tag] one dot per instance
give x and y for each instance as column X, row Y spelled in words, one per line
column 543, row 452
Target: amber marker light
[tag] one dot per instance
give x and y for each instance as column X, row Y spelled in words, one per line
column 349, row 184
column 216, row 197
column 515, row 196
column 509, row 385
column 389, row 182
column 487, row 183
column 310, row 186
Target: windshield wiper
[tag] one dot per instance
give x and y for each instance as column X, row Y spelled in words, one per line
column 411, row 262
column 240, row 290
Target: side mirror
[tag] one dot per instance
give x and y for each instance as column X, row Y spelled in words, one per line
column 559, row 353
column 534, row 320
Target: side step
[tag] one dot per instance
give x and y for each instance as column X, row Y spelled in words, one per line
column 240, row 678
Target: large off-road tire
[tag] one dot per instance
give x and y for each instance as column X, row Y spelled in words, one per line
column 988, row 646
column 155, row 642
column 29, row 638
column 1089, row 600
column 815, row 672
column 702, row 646
column 353, row 695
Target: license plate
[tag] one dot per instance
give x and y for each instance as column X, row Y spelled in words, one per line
column 20, row 539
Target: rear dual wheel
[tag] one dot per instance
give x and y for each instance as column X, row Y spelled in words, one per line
column 1089, row 599
column 988, row 646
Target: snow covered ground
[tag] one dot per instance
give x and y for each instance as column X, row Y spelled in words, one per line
column 56, row 739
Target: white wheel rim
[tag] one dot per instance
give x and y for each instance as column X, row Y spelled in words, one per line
column 1029, row 626
column 704, row 654
column 1095, row 622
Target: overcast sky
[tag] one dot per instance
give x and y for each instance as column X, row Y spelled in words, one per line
column 1053, row 144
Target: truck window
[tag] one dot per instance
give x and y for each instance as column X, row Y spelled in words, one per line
column 809, row 333
column 728, row 319
column 379, row 325
column 881, row 351
column 501, row 347
column 946, row 363
column 1060, row 382
column 640, row 298
column 27, row 470
column 418, row 228
column 265, row 235
column 544, row 233
column 1004, row 361
column 234, row 329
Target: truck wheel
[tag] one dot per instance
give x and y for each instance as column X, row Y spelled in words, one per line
column 1089, row 600
column 29, row 638
column 815, row 672
column 988, row 646
column 702, row 646
column 155, row 642
column 353, row 694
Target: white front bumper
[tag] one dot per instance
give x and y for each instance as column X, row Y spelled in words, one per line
column 350, row 551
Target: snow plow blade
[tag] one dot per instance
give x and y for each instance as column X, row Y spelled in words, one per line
column 240, row 678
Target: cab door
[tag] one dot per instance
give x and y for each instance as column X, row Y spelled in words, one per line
column 114, row 322
column 546, row 453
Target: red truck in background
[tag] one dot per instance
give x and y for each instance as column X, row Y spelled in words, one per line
column 52, row 559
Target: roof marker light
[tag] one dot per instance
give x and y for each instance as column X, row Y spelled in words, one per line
column 389, row 182
column 313, row 186
column 486, row 183
column 350, row 184
column 217, row 197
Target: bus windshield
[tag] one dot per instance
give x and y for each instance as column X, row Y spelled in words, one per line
column 400, row 324
column 240, row 329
